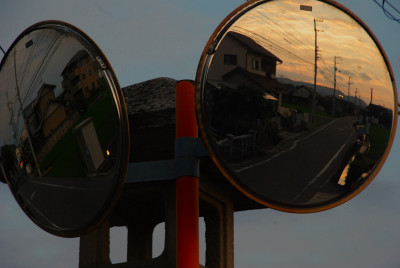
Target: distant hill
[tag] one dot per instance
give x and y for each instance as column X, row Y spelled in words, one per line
column 324, row 91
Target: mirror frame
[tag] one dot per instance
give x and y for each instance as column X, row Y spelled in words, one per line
column 201, row 74
column 121, row 170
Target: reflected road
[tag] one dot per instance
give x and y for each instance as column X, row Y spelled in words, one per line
column 302, row 168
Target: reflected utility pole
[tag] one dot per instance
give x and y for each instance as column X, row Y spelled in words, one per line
column 23, row 116
column 12, row 122
column 372, row 93
column 314, row 100
column 316, row 57
column 348, row 95
column 334, row 85
column 355, row 100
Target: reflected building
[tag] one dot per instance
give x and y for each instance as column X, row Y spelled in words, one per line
column 301, row 95
column 44, row 114
column 380, row 115
column 81, row 76
column 242, row 85
column 244, row 61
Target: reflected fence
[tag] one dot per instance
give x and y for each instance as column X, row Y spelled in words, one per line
column 237, row 147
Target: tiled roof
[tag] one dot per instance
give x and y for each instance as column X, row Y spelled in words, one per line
column 150, row 96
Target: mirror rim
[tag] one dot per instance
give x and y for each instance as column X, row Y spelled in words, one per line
column 121, row 170
column 203, row 66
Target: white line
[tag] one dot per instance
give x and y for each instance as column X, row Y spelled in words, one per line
column 326, row 167
column 41, row 214
column 323, row 170
column 60, row 186
column 285, row 151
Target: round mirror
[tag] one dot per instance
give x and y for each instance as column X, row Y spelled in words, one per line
column 64, row 132
column 296, row 102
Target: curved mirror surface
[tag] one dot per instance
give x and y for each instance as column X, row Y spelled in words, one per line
column 60, row 128
column 298, row 103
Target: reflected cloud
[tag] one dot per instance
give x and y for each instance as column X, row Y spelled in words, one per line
column 298, row 105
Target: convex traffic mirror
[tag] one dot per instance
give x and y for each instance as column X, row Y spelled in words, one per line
column 296, row 103
column 64, row 132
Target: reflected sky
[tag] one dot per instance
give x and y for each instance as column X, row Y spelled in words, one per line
column 28, row 67
column 58, row 119
column 288, row 32
column 281, row 150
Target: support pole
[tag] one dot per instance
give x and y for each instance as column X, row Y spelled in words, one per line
column 187, row 187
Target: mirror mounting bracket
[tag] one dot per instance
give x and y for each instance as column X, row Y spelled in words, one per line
column 188, row 152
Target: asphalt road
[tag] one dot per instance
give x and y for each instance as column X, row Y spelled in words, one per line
column 305, row 168
column 64, row 203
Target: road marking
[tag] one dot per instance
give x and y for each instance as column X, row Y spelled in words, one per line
column 61, row 186
column 322, row 171
column 287, row 150
column 41, row 214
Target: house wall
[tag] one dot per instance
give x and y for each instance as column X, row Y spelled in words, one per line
column 46, row 96
column 56, row 118
column 250, row 58
column 88, row 76
column 231, row 47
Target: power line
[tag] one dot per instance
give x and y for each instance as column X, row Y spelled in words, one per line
column 387, row 5
column 267, row 42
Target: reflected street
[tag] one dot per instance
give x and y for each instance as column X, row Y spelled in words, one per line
column 65, row 195
column 62, row 128
column 288, row 169
column 297, row 117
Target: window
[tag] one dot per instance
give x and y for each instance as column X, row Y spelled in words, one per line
column 230, row 59
column 255, row 64
column 264, row 63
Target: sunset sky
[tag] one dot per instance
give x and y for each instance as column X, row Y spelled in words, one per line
column 288, row 32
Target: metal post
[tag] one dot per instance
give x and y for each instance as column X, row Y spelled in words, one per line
column 187, row 187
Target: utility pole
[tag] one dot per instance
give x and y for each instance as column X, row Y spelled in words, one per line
column 355, row 100
column 23, row 116
column 12, row 122
column 315, row 67
column 334, row 85
column 372, row 92
column 348, row 95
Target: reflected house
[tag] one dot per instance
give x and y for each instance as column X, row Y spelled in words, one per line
column 340, row 103
column 241, row 60
column 301, row 95
column 44, row 114
column 80, row 76
column 381, row 115
column 244, row 96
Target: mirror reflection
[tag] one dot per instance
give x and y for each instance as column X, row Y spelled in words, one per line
column 60, row 130
column 298, row 103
